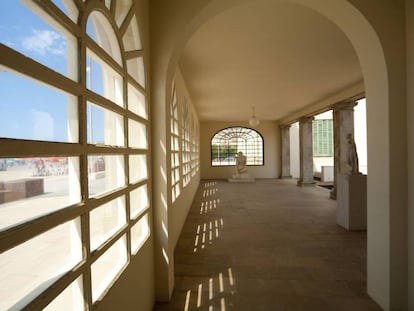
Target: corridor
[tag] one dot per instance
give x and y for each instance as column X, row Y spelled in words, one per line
column 268, row 245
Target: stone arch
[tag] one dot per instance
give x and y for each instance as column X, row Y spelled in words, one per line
column 371, row 31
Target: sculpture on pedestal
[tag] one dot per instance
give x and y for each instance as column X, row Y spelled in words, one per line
column 241, row 174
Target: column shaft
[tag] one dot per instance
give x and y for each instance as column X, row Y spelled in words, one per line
column 285, row 137
column 306, row 152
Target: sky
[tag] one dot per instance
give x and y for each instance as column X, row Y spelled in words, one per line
column 31, row 110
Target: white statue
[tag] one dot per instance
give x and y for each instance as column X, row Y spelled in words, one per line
column 352, row 155
column 241, row 163
column 241, row 174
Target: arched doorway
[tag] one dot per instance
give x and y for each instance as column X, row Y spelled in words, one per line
column 371, row 33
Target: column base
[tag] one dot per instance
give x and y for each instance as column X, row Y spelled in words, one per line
column 286, row 177
column 302, row 183
column 332, row 194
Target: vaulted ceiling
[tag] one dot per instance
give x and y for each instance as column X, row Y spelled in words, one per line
column 274, row 55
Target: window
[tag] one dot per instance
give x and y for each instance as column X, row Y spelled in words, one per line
column 74, row 178
column 322, row 137
column 226, row 143
column 184, row 142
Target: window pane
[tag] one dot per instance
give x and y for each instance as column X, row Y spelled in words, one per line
column 105, row 269
column 103, row 80
column 139, row 234
column 31, row 267
column 138, row 201
column 136, row 69
column 37, row 113
column 68, row 7
column 100, row 30
column 121, row 10
column 137, row 167
column 106, row 220
column 70, row 299
column 132, row 39
column 137, row 135
column 27, row 29
column 136, row 102
column 32, row 187
column 105, row 173
column 104, row 126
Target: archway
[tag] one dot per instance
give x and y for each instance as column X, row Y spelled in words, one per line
column 372, row 32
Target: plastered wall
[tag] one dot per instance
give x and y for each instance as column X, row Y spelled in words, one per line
column 271, row 136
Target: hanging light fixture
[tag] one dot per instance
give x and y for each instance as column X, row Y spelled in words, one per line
column 253, row 121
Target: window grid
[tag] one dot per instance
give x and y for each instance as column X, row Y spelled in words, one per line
column 175, row 148
column 82, row 150
column 226, row 143
column 184, row 139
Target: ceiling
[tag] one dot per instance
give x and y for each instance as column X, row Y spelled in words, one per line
column 274, row 55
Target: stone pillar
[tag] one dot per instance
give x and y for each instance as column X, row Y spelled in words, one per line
column 306, row 152
column 343, row 124
column 285, row 138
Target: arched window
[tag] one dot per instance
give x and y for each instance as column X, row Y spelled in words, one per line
column 74, row 178
column 226, row 143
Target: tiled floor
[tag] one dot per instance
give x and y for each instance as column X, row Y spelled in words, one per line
column 267, row 245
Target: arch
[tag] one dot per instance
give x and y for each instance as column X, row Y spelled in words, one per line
column 371, row 30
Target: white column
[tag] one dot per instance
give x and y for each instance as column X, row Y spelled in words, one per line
column 343, row 121
column 306, row 152
column 285, row 138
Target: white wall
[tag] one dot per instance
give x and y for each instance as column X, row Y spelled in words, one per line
column 271, row 136
column 182, row 204
column 410, row 123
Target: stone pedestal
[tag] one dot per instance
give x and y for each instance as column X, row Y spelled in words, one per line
column 351, row 212
column 243, row 177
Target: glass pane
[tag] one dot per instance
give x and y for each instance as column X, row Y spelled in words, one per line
column 103, row 80
column 70, row 299
column 138, row 201
column 106, row 220
column 136, row 102
column 37, row 113
column 104, row 126
column 121, row 10
column 132, row 39
column 135, row 67
column 137, row 167
column 101, row 31
column 68, row 7
column 105, row 269
column 29, row 268
column 137, row 135
column 105, row 173
column 139, row 234
column 27, row 29
column 33, row 187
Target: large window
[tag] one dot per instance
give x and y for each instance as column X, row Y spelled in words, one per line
column 74, row 178
column 228, row 142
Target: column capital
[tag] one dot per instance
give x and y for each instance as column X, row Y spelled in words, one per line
column 285, row 126
column 345, row 106
column 306, row 119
